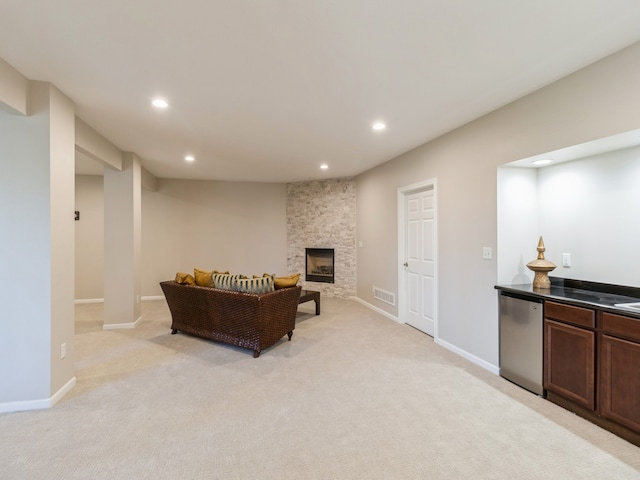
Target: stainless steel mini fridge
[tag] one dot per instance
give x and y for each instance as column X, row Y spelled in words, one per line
column 521, row 341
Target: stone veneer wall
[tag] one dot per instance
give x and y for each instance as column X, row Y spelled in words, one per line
column 322, row 214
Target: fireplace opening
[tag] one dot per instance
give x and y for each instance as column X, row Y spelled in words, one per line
column 319, row 265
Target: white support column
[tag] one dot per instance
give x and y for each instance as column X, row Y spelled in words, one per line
column 37, row 251
column 122, row 244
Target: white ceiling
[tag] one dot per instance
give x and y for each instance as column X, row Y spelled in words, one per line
column 268, row 90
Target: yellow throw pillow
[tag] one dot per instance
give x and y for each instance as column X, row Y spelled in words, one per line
column 272, row 275
column 222, row 273
column 284, row 282
column 185, row 279
column 203, row 277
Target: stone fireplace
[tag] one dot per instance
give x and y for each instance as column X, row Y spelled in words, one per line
column 323, row 213
column 319, row 265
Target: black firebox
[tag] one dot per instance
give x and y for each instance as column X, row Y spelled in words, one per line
column 319, row 265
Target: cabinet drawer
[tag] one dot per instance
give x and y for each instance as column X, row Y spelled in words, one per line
column 620, row 326
column 582, row 317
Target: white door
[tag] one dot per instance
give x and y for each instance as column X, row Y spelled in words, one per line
column 420, row 249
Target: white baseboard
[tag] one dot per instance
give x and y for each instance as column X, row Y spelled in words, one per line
column 466, row 355
column 40, row 404
column 376, row 309
column 120, row 326
column 89, row 300
column 101, row 300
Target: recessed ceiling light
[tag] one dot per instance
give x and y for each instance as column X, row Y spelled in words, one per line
column 189, row 158
column 379, row 126
column 324, row 166
column 544, row 161
column 159, row 103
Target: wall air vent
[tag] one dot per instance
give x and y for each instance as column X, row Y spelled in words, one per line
column 384, row 296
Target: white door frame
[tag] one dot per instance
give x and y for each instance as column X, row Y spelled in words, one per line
column 402, row 278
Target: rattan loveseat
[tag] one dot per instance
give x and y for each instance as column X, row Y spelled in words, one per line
column 247, row 320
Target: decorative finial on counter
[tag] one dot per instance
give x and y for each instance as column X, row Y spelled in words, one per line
column 541, row 267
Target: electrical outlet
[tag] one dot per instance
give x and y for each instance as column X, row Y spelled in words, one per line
column 566, row 260
column 63, row 350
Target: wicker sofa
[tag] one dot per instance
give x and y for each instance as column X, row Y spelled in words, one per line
column 253, row 321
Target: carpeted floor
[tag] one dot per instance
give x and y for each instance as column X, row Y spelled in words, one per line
column 352, row 396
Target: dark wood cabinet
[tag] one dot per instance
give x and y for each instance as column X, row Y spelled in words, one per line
column 592, row 365
column 569, row 353
column 620, row 370
column 569, row 362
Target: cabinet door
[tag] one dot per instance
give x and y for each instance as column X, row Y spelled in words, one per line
column 569, row 362
column 620, row 382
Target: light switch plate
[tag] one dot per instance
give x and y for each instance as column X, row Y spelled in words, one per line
column 487, row 254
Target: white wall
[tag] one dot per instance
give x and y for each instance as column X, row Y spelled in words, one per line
column 240, row 226
column 235, row 226
column 596, row 102
column 26, row 253
column 590, row 209
column 89, row 237
column 518, row 224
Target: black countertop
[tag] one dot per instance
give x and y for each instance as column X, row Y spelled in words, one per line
column 602, row 296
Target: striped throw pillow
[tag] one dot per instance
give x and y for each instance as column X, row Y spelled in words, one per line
column 224, row 281
column 255, row 285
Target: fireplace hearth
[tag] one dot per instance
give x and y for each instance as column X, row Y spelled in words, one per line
column 319, row 265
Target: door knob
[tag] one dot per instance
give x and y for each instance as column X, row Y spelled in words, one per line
column 406, row 264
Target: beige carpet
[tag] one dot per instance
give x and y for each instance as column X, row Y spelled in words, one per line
column 352, row 396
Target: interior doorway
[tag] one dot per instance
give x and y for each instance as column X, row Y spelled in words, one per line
column 417, row 256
